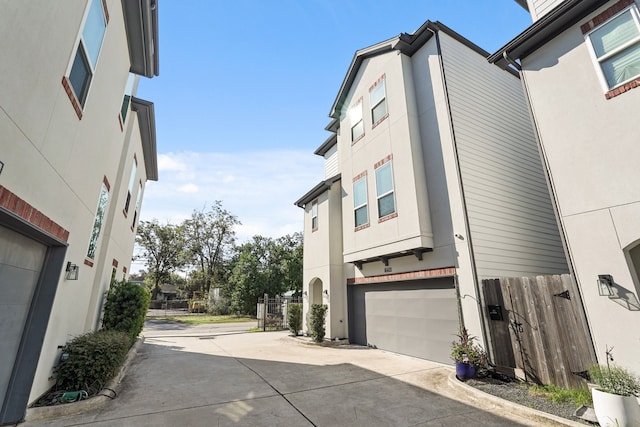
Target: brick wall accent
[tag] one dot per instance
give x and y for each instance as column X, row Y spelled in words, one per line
column 622, row 89
column 413, row 275
column 11, row 202
column 605, row 15
column 360, row 175
column 383, row 161
column 114, row 263
column 72, row 96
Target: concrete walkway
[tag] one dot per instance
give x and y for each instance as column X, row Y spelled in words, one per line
column 192, row 376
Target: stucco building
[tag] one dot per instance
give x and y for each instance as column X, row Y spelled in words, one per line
column 76, row 150
column 580, row 66
column 432, row 183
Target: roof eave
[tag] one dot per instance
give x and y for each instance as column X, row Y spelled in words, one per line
column 326, row 146
column 141, row 24
column 147, row 123
column 316, row 191
column 542, row 31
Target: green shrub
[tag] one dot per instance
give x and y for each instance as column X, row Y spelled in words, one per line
column 126, row 308
column 316, row 320
column 219, row 306
column 294, row 317
column 90, row 359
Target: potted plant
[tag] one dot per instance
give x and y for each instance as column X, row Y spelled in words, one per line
column 468, row 355
column 615, row 395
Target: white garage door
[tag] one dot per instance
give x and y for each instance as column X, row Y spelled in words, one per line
column 415, row 318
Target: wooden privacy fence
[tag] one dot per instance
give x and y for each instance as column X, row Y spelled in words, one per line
column 538, row 329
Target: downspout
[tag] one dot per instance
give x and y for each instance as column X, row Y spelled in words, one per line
column 474, row 269
column 554, row 202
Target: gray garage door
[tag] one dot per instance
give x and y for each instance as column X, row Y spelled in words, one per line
column 20, row 262
column 416, row 318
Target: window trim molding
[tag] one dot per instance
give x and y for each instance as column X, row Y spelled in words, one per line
column 314, row 204
column 387, row 160
column 361, row 176
column 359, row 103
column 381, row 79
column 74, row 97
column 597, row 22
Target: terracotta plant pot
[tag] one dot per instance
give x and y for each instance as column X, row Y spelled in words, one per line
column 615, row 410
column 466, row 371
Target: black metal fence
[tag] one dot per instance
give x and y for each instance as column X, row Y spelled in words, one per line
column 272, row 312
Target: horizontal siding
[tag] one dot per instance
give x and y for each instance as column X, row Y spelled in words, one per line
column 542, row 7
column 331, row 164
column 511, row 220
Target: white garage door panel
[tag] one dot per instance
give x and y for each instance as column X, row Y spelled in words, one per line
column 420, row 322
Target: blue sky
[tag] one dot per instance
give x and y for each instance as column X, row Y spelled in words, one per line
column 245, row 89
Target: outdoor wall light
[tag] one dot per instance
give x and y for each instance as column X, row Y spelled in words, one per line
column 605, row 282
column 72, row 271
column 304, row 293
column 326, row 292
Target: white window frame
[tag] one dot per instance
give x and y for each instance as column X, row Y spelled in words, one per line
column 386, row 193
column 81, row 48
column 132, row 181
column 382, row 82
column 314, row 215
column 98, row 222
column 598, row 60
column 356, row 118
column 126, row 97
column 365, row 205
column 138, row 203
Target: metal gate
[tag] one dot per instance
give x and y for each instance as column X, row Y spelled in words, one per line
column 273, row 314
column 538, row 329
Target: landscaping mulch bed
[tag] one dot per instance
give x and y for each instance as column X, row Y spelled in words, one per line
column 519, row 392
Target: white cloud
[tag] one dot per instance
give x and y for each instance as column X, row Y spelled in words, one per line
column 257, row 187
column 188, row 188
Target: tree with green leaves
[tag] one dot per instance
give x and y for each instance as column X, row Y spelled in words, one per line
column 210, row 239
column 265, row 265
column 162, row 248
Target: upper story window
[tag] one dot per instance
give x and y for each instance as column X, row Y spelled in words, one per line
column 138, row 203
column 126, row 100
column 361, row 211
column 314, row 216
column 357, row 125
column 132, row 181
column 99, row 219
column 88, row 50
column 615, row 45
column 378, row 100
column 384, row 190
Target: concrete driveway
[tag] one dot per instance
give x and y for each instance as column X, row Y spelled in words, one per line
column 189, row 376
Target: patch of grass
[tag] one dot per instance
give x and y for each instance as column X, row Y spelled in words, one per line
column 557, row 394
column 205, row 319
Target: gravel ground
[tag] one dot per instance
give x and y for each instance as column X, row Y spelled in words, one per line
column 518, row 392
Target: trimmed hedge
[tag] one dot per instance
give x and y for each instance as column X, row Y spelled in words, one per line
column 294, row 318
column 318, row 314
column 92, row 360
column 126, row 309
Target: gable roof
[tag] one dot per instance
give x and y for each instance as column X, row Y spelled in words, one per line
column 405, row 43
column 544, row 30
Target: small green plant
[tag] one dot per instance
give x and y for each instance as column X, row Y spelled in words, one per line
column 126, row 309
column 90, row 359
column 614, row 379
column 553, row 393
column 465, row 349
column 316, row 321
column 294, row 317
